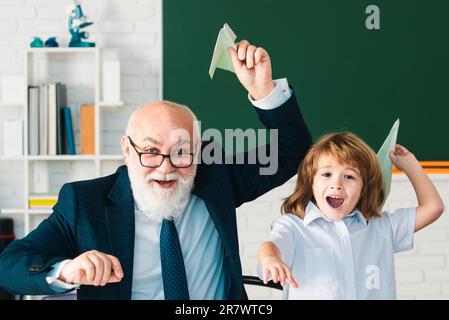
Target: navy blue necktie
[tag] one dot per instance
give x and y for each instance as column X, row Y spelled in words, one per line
column 173, row 271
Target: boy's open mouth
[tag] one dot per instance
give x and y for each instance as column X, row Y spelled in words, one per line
column 335, row 201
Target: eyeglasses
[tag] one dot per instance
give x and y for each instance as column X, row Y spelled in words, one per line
column 179, row 159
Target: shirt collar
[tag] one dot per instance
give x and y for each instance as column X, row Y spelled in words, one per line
column 356, row 215
column 312, row 213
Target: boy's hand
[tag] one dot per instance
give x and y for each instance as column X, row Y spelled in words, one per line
column 279, row 271
column 252, row 66
column 403, row 159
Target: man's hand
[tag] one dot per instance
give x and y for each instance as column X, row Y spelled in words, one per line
column 92, row 268
column 253, row 68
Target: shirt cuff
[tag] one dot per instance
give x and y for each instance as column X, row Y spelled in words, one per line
column 277, row 97
column 407, row 244
column 57, row 285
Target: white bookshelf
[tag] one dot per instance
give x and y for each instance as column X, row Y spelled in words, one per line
column 58, row 50
column 111, row 104
column 14, row 211
column 6, row 104
column 77, row 157
column 93, row 163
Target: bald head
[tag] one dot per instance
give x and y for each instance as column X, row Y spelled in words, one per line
column 161, row 110
column 162, row 118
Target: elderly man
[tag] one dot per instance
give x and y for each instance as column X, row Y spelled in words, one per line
column 164, row 225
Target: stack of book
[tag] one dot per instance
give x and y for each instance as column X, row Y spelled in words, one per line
column 49, row 120
column 42, row 201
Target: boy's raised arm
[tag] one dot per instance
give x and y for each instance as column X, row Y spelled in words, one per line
column 430, row 206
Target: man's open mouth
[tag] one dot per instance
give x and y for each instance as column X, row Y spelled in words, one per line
column 165, row 184
column 335, row 201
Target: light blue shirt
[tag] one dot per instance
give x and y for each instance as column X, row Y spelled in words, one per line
column 346, row 259
column 201, row 247
column 200, row 243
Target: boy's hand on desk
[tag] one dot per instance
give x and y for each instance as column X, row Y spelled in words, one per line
column 279, row 271
column 92, row 268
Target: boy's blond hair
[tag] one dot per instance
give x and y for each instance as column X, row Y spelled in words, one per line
column 348, row 148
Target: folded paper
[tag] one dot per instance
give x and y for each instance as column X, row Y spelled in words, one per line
column 384, row 157
column 221, row 58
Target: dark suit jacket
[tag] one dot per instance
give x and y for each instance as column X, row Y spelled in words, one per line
column 99, row 214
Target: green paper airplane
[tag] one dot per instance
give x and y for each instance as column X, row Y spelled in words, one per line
column 384, row 157
column 221, row 59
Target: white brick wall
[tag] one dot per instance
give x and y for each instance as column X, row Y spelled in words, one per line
column 131, row 31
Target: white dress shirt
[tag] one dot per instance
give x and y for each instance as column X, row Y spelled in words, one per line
column 347, row 259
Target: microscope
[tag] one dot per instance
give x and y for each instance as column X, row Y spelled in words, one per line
column 76, row 22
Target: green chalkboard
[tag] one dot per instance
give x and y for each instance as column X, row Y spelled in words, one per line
column 345, row 76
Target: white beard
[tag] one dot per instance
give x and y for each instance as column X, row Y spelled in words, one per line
column 161, row 203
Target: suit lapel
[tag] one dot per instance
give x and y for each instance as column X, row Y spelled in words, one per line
column 121, row 228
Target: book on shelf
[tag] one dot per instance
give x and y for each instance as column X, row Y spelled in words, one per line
column 52, row 119
column 42, row 201
column 33, row 120
column 61, row 101
column 87, row 128
column 68, row 141
column 43, row 124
